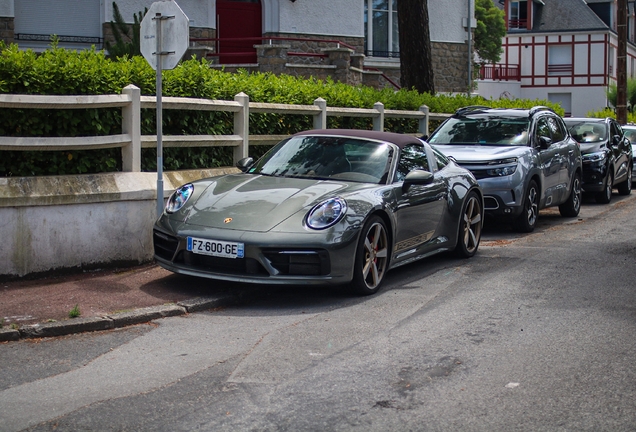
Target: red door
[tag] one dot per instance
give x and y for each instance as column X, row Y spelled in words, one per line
column 238, row 19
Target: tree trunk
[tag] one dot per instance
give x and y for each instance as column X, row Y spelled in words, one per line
column 416, row 67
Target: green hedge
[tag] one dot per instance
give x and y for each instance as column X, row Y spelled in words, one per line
column 59, row 71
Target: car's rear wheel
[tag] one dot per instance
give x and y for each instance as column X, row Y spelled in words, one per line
column 572, row 206
column 625, row 188
column 372, row 257
column 527, row 220
column 605, row 196
column 469, row 227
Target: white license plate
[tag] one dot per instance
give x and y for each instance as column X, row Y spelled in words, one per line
column 216, row 248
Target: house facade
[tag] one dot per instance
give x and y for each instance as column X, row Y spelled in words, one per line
column 564, row 51
column 230, row 32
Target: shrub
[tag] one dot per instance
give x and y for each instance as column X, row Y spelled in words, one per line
column 66, row 72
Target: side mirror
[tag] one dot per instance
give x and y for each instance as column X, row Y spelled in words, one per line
column 245, row 163
column 417, row 177
column 545, row 142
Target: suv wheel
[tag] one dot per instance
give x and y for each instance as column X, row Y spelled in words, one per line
column 625, row 188
column 527, row 220
column 605, row 196
column 572, row 206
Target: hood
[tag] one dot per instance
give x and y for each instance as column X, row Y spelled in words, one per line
column 587, row 148
column 257, row 203
column 481, row 153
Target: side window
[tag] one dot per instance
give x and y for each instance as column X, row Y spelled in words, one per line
column 558, row 134
column 615, row 129
column 412, row 157
column 440, row 158
column 543, row 130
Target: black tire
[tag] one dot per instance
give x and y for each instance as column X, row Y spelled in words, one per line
column 372, row 257
column 527, row 220
column 470, row 226
column 605, row 196
column 625, row 188
column 572, row 206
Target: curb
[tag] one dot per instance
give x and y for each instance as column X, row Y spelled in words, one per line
column 112, row 321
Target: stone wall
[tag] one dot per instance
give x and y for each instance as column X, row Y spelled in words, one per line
column 450, row 66
column 7, row 30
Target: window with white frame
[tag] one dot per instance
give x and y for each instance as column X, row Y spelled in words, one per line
column 560, row 60
column 381, row 36
column 517, row 14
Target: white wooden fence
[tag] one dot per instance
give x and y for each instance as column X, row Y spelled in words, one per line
column 131, row 141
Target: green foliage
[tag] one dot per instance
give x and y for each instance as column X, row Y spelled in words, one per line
column 612, row 94
column 66, row 72
column 609, row 112
column 490, row 31
column 75, row 312
column 127, row 39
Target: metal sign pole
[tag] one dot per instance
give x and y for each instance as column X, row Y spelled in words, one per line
column 159, row 53
column 158, row 19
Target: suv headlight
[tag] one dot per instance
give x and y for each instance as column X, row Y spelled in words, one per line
column 179, row 198
column 327, row 213
column 499, row 171
column 594, row 157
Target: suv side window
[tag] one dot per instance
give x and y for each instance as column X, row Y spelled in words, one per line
column 543, row 130
column 615, row 130
column 558, row 132
column 412, row 157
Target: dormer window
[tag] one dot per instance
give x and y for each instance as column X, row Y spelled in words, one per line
column 517, row 15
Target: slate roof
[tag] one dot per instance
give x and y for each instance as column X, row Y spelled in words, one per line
column 566, row 15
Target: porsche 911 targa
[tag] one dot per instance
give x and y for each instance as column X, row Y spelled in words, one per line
column 323, row 207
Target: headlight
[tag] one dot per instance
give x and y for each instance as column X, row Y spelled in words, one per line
column 594, row 157
column 327, row 213
column 179, row 198
column 500, row 171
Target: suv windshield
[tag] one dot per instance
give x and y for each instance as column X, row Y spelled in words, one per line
column 491, row 130
column 587, row 132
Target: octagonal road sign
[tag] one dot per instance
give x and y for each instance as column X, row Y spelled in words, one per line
column 174, row 32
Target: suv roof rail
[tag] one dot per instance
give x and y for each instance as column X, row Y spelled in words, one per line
column 538, row 108
column 465, row 109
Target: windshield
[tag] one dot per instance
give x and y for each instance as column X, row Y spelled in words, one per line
column 483, row 130
column 323, row 157
column 587, row 132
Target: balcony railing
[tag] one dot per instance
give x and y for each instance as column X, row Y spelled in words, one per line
column 517, row 24
column 500, row 72
column 560, row 69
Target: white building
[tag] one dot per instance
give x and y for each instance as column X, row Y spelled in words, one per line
column 559, row 50
column 369, row 27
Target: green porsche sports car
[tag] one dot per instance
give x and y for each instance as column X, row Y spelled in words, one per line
column 323, row 207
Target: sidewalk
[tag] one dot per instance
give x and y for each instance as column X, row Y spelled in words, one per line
column 106, row 299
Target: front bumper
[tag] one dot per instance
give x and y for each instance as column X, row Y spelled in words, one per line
column 270, row 258
column 594, row 177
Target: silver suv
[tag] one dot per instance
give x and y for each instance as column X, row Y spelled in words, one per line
column 524, row 160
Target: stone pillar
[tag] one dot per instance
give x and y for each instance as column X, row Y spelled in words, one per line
column 341, row 58
column 7, row 30
column 272, row 57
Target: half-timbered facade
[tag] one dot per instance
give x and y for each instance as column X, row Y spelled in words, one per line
column 563, row 51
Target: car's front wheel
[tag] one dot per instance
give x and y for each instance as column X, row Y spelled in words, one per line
column 527, row 220
column 372, row 257
column 572, row 206
column 605, row 196
column 625, row 188
column 469, row 227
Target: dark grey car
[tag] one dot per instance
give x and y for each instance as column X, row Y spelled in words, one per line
column 524, row 159
column 607, row 156
column 323, row 207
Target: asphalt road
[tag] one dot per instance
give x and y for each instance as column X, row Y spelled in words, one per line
column 536, row 332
